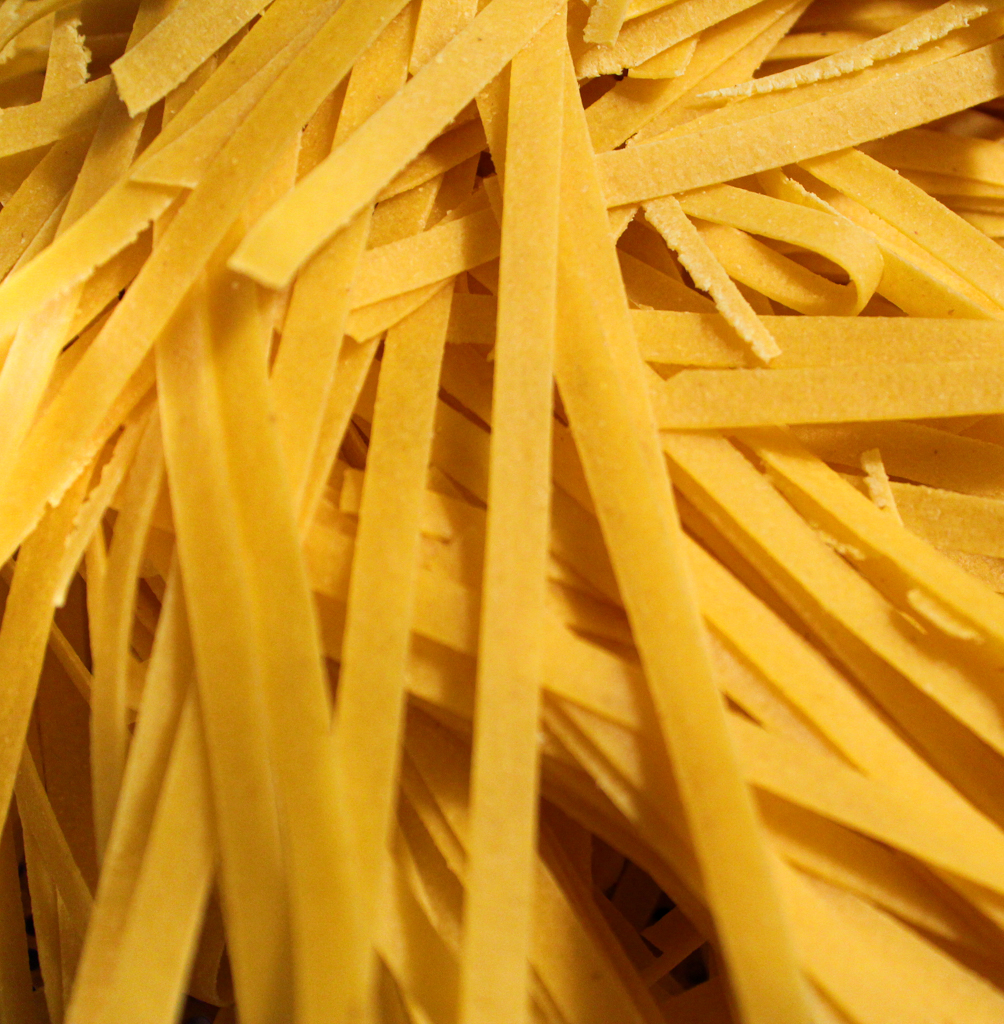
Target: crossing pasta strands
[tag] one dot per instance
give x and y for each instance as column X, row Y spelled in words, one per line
column 501, row 511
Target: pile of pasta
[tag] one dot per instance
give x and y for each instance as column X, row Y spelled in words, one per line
column 502, row 511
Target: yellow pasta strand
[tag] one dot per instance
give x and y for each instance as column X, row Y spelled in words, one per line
column 25, row 630
column 709, row 399
column 302, row 375
column 109, row 727
column 190, row 34
column 493, row 979
column 374, row 652
column 255, row 897
column 667, row 215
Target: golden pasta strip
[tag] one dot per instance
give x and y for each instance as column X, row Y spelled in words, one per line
column 17, row 18
column 450, row 149
column 41, row 192
column 113, row 223
column 162, row 934
column 54, row 118
column 718, row 154
column 25, row 629
column 921, row 149
column 877, row 482
column 97, row 501
column 168, row 682
column 472, row 320
column 381, row 593
column 831, row 236
column 651, row 289
column 955, row 191
column 862, row 866
column 961, row 522
column 671, row 63
column 811, row 941
column 920, row 284
column 329, row 959
column 255, row 900
column 27, row 369
column 426, row 258
column 111, row 632
column 567, row 915
column 725, row 399
column 818, row 782
column 636, row 510
column 43, row 237
column 412, row 946
column 766, row 272
column 303, row 370
column 190, row 34
column 924, row 29
column 354, row 362
column 701, row 339
column 981, row 32
column 45, row 918
column 636, row 8
column 106, row 284
column 410, row 214
column 356, row 172
column 37, row 341
column 668, row 216
column 787, row 768
column 816, row 690
column 767, row 22
column 184, row 161
column 944, row 234
column 915, row 452
column 66, row 67
column 281, row 24
column 493, row 977
column 565, row 932
column 808, row 45
column 39, row 819
column 837, row 928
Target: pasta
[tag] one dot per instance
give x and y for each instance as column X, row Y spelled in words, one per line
column 500, row 511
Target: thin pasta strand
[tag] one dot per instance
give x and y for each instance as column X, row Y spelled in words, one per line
column 254, row 893
column 374, row 650
column 493, row 980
